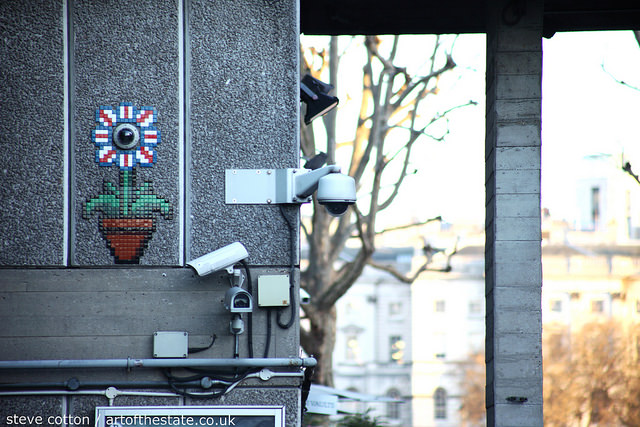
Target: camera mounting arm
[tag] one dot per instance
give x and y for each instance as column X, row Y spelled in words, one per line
column 291, row 186
column 305, row 184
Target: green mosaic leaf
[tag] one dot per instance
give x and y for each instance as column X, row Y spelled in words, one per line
column 147, row 202
column 105, row 203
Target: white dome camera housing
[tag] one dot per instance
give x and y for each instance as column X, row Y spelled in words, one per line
column 336, row 192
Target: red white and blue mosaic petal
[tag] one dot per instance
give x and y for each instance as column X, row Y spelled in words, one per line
column 106, row 116
column 146, row 116
column 126, row 160
column 126, row 113
column 150, row 136
column 106, row 155
column 146, row 156
column 102, row 135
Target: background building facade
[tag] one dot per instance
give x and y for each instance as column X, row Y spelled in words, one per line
column 590, row 275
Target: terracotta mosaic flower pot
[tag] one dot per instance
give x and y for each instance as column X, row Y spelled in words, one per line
column 127, row 238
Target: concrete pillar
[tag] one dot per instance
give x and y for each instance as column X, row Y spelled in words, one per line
column 513, row 253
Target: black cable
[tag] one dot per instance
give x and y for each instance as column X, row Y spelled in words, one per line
column 175, row 382
column 292, row 244
column 268, row 340
column 200, row 373
column 305, row 389
column 201, row 349
column 216, row 375
column 212, row 395
column 250, row 317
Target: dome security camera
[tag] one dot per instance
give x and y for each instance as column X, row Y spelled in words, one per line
column 336, row 192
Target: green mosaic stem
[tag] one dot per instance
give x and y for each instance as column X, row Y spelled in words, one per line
column 126, row 190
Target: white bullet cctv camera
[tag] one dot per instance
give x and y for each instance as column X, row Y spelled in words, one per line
column 223, row 258
column 305, row 298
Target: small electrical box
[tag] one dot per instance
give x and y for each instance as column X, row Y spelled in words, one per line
column 273, row 291
column 170, row 345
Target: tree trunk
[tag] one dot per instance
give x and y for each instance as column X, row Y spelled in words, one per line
column 319, row 342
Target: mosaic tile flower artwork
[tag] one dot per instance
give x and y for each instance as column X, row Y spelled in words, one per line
column 126, row 137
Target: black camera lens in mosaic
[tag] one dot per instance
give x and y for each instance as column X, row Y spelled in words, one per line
column 126, row 136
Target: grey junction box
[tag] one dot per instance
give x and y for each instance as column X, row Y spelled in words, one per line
column 170, row 345
column 273, row 290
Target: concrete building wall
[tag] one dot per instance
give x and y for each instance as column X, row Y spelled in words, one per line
column 513, row 234
column 32, row 131
column 200, row 87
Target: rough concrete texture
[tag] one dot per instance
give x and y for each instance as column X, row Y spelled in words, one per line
column 49, row 408
column 113, row 313
column 80, row 410
column 513, row 251
column 31, row 133
column 125, row 52
column 242, row 113
column 240, row 103
column 241, row 98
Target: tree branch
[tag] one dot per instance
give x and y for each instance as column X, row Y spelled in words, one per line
column 627, row 169
column 449, row 65
column 622, row 82
column 404, row 227
column 424, row 267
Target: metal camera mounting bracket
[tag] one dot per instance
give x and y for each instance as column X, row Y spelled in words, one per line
column 273, row 186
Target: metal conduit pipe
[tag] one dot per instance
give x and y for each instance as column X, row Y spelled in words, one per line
column 63, row 387
column 112, row 392
column 130, row 363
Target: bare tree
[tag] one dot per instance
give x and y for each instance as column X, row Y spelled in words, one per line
column 591, row 376
column 390, row 124
column 472, row 384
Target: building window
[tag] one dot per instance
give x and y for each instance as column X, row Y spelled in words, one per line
column 597, row 306
column 353, row 348
column 440, row 404
column 396, row 349
column 475, row 307
column 439, row 343
column 439, row 306
column 595, row 206
column 393, row 408
column 395, row 308
column 556, row 306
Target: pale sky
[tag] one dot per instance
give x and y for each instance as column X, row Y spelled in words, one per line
column 585, row 112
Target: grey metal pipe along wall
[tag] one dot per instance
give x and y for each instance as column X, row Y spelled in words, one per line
column 159, row 363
